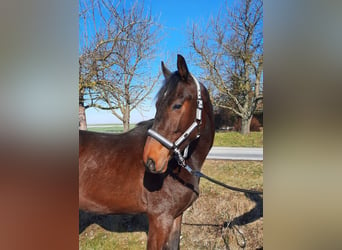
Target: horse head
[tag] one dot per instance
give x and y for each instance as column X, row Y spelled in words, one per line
column 178, row 117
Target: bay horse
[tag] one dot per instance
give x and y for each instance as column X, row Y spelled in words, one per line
column 135, row 172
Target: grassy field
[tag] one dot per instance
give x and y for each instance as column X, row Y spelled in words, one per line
column 235, row 139
column 227, row 139
column 108, row 128
column 205, row 222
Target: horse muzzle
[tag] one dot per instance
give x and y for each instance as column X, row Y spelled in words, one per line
column 155, row 156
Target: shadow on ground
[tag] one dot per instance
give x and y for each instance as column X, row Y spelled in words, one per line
column 114, row 223
column 139, row 222
column 252, row 215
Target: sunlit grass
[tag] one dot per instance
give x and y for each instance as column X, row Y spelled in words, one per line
column 235, row 139
column 96, row 238
column 243, row 174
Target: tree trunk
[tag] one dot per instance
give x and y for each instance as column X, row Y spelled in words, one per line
column 82, row 122
column 125, row 120
column 126, row 126
column 245, row 125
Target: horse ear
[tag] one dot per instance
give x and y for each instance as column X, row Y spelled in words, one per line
column 166, row 71
column 182, row 67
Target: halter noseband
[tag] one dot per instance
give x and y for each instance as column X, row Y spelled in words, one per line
column 197, row 122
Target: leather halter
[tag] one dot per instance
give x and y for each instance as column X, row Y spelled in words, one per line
column 197, row 122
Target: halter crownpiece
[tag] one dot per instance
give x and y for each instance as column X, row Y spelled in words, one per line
column 199, row 100
column 198, row 120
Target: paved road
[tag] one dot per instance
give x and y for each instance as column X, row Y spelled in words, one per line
column 236, row 153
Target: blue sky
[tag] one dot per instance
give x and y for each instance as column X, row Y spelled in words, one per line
column 175, row 17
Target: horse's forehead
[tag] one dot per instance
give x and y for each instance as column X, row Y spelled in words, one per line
column 172, row 89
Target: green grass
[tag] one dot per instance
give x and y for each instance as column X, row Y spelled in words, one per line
column 235, row 139
column 244, row 174
column 96, row 238
column 108, row 128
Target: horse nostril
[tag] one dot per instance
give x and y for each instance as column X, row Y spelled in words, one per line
column 150, row 164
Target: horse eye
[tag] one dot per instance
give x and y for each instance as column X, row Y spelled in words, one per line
column 177, row 106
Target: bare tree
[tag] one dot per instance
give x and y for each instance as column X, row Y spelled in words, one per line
column 117, row 47
column 230, row 51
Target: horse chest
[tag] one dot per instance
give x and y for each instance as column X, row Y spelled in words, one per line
column 173, row 197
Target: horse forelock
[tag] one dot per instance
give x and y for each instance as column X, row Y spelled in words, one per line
column 168, row 90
